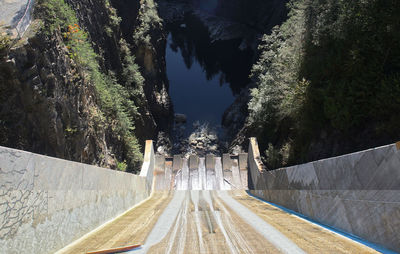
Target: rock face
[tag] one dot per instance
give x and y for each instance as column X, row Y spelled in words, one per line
column 262, row 15
column 149, row 45
column 202, row 141
column 227, row 19
column 47, row 107
column 155, row 110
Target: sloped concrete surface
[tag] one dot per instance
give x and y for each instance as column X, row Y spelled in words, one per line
column 206, row 221
column 182, row 216
column 15, row 16
column 358, row 193
column 46, row 203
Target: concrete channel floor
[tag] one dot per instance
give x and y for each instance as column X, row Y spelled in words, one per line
column 202, row 221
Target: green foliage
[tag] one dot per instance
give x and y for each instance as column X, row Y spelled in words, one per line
column 56, row 15
column 277, row 99
column 114, row 19
column 131, row 73
column 149, row 19
column 70, row 131
column 112, row 13
column 5, row 42
column 351, row 51
column 117, row 108
column 333, row 65
column 273, row 157
column 275, row 73
column 122, row 166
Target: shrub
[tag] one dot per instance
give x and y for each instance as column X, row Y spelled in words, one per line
column 122, row 166
column 5, row 43
column 149, row 19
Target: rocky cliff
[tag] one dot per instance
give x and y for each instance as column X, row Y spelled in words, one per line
column 229, row 19
column 79, row 87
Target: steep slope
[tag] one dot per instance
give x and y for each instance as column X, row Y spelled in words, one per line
column 73, row 88
column 327, row 81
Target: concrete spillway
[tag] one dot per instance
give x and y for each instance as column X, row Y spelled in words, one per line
column 194, row 173
column 199, row 205
column 181, row 205
column 214, row 222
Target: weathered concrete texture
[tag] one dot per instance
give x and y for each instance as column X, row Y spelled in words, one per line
column 199, row 173
column 226, row 161
column 358, row 193
column 213, row 222
column 46, row 203
column 15, row 16
column 177, row 163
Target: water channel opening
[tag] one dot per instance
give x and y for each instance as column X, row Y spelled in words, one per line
column 205, row 76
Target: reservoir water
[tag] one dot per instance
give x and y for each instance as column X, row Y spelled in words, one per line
column 204, row 76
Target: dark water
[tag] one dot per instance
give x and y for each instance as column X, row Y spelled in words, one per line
column 204, row 76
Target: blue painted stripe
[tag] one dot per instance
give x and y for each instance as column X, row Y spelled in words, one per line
column 134, row 250
column 374, row 246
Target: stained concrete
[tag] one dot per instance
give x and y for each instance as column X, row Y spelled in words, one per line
column 210, row 161
column 199, row 173
column 15, row 16
column 214, row 222
column 46, row 203
column 358, row 193
column 226, row 161
column 177, row 163
column 243, row 161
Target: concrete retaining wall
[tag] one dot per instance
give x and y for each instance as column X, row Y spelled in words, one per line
column 16, row 16
column 47, row 203
column 358, row 193
column 26, row 18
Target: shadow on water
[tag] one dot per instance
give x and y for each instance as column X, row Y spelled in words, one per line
column 204, row 76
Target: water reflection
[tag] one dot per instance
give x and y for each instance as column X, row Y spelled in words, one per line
column 204, row 76
column 193, row 40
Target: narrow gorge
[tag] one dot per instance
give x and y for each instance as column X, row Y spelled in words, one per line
column 199, row 126
column 91, row 81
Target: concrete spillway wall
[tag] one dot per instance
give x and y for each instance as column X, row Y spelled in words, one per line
column 16, row 16
column 357, row 193
column 46, row 203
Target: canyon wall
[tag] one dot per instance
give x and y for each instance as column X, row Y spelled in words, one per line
column 49, row 102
